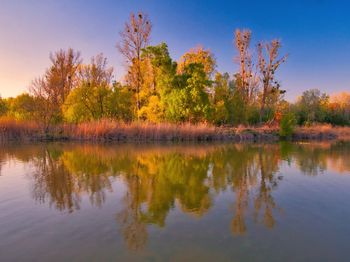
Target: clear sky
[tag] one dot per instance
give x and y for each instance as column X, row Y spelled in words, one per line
column 315, row 34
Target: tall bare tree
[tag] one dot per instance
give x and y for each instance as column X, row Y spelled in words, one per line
column 268, row 63
column 134, row 38
column 247, row 77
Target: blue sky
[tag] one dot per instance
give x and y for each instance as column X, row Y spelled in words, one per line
column 315, row 34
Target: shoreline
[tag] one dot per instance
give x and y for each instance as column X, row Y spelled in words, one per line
column 111, row 131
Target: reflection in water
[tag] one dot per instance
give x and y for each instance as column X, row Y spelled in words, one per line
column 159, row 178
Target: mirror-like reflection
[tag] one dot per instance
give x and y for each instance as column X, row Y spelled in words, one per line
column 158, row 178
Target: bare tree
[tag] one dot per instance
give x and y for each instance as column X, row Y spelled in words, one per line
column 134, row 38
column 268, row 62
column 51, row 90
column 62, row 73
column 247, row 78
column 97, row 73
column 45, row 106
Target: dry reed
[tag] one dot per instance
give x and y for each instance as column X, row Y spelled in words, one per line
column 110, row 130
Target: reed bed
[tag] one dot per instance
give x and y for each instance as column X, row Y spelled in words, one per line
column 110, row 130
column 106, row 130
column 318, row 132
column 13, row 130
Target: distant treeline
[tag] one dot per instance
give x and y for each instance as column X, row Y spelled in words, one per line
column 158, row 89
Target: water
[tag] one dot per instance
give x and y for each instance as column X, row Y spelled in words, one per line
column 272, row 202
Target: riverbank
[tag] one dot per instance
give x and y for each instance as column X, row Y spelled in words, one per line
column 104, row 131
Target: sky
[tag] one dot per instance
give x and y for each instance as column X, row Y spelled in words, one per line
column 314, row 33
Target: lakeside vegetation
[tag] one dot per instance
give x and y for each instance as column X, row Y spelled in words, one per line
column 163, row 99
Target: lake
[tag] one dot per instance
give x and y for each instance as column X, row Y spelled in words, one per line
column 193, row 202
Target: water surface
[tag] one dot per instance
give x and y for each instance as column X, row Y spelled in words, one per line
column 233, row 202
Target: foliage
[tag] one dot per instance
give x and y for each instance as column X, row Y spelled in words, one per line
column 94, row 98
column 311, row 107
column 198, row 55
column 339, row 109
column 157, row 89
column 52, row 89
column 287, row 125
column 159, row 72
column 3, row 107
column 189, row 101
column 222, row 99
column 88, row 103
column 22, row 107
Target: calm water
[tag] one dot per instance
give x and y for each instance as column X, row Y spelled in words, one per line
column 279, row 202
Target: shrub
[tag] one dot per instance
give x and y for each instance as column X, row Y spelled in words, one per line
column 287, row 125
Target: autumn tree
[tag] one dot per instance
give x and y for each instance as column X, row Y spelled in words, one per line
column 160, row 72
column 198, row 55
column 3, row 107
column 95, row 97
column 22, row 107
column 52, row 89
column 339, row 109
column 63, row 73
column 134, row 38
column 268, row 63
column 46, row 107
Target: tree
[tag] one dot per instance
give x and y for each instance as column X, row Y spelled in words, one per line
column 134, row 38
column 189, row 101
column 52, row 89
column 159, row 71
column 22, row 107
column 222, row 99
column 63, row 73
column 246, row 79
column 268, row 63
column 311, row 106
column 97, row 73
column 339, row 109
column 200, row 56
column 3, row 107
column 94, row 98
column 47, row 110
column 87, row 104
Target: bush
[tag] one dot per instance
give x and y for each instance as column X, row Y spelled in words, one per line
column 3, row 107
column 287, row 125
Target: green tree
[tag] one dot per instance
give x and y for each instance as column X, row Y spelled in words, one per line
column 159, row 72
column 222, row 99
column 312, row 106
column 189, row 100
column 287, row 125
column 95, row 98
column 3, row 107
column 22, row 107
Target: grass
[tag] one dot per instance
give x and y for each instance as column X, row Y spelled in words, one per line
column 11, row 129
column 110, row 130
column 321, row 132
column 118, row 131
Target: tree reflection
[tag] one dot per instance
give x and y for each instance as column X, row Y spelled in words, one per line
column 130, row 219
column 159, row 179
